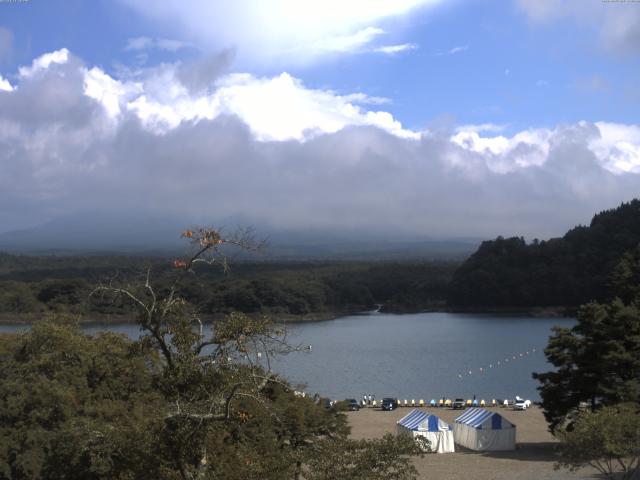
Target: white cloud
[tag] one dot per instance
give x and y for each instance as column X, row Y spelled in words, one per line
column 393, row 49
column 301, row 113
column 139, row 43
column 5, row 85
column 617, row 147
column 283, row 31
column 275, row 109
column 506, row 154
column 146, row 43
column 365, row 99
column 172, row 45
column 346, row 43
column 483, row 127
column 107, row 91
column 74, row 138
column 454, row 50
column 44, row 61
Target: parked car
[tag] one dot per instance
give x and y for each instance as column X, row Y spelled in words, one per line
column 352, row 404
column 389, row 404
column 459, row 404
column 520, row 404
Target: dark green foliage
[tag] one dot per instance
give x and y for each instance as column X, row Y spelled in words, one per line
column 607, row 439
column 81, row 407
column 18, row 298
column 597, row 361
column 567, row 271
column 76, row 407
column 625, row 279
column 387, row 458
column 32, row 285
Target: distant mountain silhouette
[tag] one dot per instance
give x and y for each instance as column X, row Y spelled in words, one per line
column 95, row 232
column 101, row 232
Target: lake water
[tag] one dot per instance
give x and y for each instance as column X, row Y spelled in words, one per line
column 426, row 355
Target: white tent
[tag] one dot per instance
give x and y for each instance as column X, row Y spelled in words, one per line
column 422, row 424
column 480, row 429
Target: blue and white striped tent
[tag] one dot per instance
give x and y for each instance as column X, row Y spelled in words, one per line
column 480, row 429
column 422, row 424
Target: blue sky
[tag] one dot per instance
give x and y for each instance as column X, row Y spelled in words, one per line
column 558, row 71
column 522, row 105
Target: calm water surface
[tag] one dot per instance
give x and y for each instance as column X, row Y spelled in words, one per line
column 426, row 355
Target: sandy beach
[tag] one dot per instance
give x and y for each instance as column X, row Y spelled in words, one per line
column 533, row 459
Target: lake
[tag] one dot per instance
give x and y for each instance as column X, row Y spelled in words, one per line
column 425, row 355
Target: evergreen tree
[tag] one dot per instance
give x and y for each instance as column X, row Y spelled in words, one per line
column 562, row 272
column 598, row 360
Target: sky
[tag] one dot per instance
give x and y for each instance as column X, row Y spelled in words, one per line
column 430, row 118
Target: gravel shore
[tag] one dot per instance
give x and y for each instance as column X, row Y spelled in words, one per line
column 533, row 459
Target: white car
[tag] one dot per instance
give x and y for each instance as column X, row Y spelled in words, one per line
column 521, row 404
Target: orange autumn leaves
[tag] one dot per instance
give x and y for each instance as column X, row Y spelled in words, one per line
column 205, row 237
column 177, row 263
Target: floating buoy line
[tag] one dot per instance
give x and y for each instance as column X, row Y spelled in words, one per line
column 499, row 363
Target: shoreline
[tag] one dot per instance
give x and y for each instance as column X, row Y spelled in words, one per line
column 533, row 312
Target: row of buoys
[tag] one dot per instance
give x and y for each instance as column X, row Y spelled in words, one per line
column 499, row 363
column 447, row 402
column 439, row 403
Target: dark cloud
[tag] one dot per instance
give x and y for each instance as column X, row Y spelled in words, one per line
column 61, row 153
column 198, row 75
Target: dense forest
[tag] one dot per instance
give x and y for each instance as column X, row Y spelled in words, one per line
column 505, row 273
column 567, row 271
column 31, row 286
column 180, row 402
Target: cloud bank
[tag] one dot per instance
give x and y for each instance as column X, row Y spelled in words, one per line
column 73, row 138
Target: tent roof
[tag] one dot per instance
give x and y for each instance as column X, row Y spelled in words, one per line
column 483, row 419
column 419, row 420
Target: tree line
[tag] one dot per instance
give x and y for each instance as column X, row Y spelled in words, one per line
column 503, row 273
column 568, row 271
column 32, row 286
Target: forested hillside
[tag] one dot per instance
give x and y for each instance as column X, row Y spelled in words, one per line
column 31, row 286
column 503, row 273
column 567, row 271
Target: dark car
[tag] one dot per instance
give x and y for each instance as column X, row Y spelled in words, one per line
column 389, row 404
column 352, row 404
column 458, row 404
